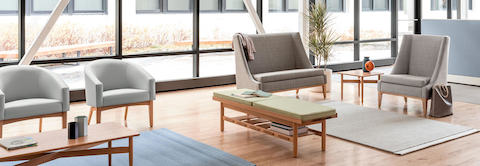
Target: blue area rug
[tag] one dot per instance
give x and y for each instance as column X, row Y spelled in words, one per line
column 158, row 147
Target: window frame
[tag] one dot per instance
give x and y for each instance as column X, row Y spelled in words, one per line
column 70, row 9
column 372, row 8
column 437, row 7
column 104, row 9
column 219, row 8
column 287, row 9
column 159, row 10
column 225, row 10
column 165, row 8
column 9, row 12
column 342, row 10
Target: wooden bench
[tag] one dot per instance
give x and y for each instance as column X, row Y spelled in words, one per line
column 13, row 54
column 260, row 112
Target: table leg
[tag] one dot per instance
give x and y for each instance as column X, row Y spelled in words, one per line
column 358, row 87
column 324, row 135
column 341, row 86
column 130, row 151
column 110, row 153
column 222, row 112
column 295, row 140
column 361, row 82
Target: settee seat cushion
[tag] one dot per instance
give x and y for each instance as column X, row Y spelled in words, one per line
column 287, row 75
column 404, row 79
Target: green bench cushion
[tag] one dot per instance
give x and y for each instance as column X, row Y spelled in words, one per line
column 227, row 95
column 299, row 109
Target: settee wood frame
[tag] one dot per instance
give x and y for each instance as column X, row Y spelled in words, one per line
column 259, row 120
column 63, row 115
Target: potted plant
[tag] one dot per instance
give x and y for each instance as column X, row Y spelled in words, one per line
column 321, row 39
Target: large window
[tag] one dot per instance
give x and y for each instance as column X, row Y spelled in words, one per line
column 8, row 31
column 158, row 34
column 72, row 36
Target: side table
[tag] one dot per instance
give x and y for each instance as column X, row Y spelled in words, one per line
column 361, row 79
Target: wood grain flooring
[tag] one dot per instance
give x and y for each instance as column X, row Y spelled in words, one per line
column 194, row 114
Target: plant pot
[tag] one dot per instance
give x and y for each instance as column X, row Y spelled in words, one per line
column 318, row 89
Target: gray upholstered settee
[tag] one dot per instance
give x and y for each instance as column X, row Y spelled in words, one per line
column 280, row 64
column 421, row 63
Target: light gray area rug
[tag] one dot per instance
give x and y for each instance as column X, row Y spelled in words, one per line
column 389, row 131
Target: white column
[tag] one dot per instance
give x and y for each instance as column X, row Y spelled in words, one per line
column 303, row 11
column 253, row 15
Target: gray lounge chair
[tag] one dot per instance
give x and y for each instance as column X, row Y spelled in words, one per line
column 28, row 92
column 421, row 63
column 111, row 83
column 280, row 64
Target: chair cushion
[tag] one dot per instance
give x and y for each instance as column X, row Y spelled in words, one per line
column 227, row 95
column 124, row 96
column 287, row 75
column 296, row 108
column 31, row 107
column 404, row 79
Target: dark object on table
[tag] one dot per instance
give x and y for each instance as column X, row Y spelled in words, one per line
column 441, row 101
column 367, row 65
column 72, row 130
column 82, row 122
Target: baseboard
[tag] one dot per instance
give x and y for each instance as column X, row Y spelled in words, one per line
column 464, row 79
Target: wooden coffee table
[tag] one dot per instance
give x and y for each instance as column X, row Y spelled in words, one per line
column 49, row 143
column 361, row 75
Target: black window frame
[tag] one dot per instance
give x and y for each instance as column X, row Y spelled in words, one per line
column 104, row 9
column 284, row 8
column 7, row 12
column 219, row 8
column 70, row 9
column 159, row 10
column 287, row 8
column 371, row 7
column 343, row 9
column 165, row 8
column 434, row 5
column 225, row 10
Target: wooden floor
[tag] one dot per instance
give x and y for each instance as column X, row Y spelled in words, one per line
column 193, row 113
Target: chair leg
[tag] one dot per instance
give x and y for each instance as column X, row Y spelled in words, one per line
column 405, row 99
column 64, row 120
column 324, row 90
column 90, row 114
column 425, row 108
column 39, row 125
column 99, row 115
column 380, row 95
column 298, row 90
column 126, row 113
column 1, row 129
column 150, row 112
